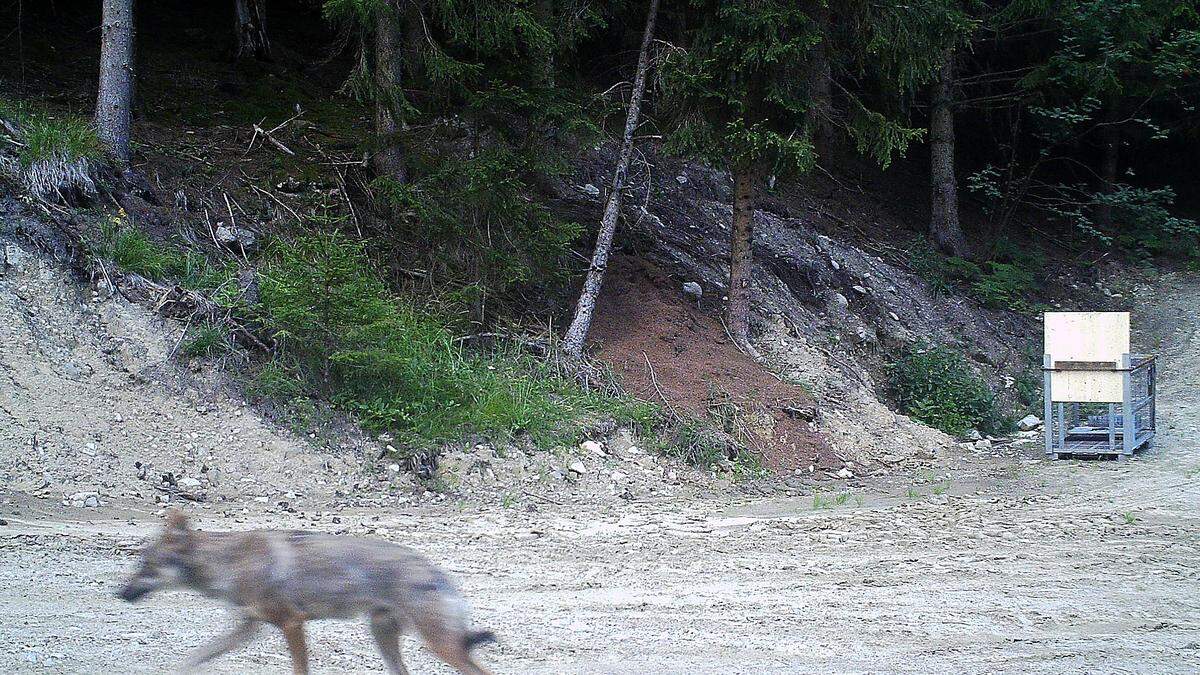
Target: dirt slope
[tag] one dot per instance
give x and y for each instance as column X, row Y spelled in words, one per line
column 1004, row 563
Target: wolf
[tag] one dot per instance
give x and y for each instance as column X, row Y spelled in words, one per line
column 285, row 578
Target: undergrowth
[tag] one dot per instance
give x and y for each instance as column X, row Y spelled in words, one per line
column 55, row 156
column 133, row 251
column 936, row 385
column 1006, row 281
column 398, row 366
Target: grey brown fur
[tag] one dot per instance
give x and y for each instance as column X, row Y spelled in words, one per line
column 288, row 577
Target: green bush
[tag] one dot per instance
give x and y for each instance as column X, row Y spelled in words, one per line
column 935, row 385
column 1004, row 286
column 1005, row 282
column 398, row 367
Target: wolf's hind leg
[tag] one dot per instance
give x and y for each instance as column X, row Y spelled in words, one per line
column 387, row 630
column 235, row 638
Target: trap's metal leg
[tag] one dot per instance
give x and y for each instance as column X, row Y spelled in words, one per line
column 1062, row 427
column 1112, row 427
column 1048, row 405
column 1128, row 423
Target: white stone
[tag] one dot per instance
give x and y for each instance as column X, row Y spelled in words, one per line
column 577, row 467
column 592, row 447
column 1029, row 423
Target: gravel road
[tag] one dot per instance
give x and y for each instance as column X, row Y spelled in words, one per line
column 976, row 563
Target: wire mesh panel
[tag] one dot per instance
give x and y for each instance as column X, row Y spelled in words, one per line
column 1116, row 428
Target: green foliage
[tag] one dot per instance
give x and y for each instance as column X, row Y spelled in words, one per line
column 937, row 386
column 481, row 230
column 397, row 367
column 205, row 340
column 56, row 155
column 133, row 251
column 734, row 88
column 1006, row 282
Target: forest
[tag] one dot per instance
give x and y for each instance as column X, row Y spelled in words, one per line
column 392, row 171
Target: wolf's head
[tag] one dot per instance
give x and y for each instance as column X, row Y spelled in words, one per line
column 166, row 561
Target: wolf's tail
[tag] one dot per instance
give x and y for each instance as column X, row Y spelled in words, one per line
column 475, row 638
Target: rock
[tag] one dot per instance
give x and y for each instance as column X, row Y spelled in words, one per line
column 189, row 483
column 12, row 256
column 983, row 445
column 693, row 290
column 1029, row 423
column 231, row 235
column 845, row 473
column 577, row 467
column 92, row 501
column 861, row 290
column 593, row 447
column 895, row 317
column 618, row 476
column 837, row 302
column 590, row 190
column 974, row 435
column 681, row 179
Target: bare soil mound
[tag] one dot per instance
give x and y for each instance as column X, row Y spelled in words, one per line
column 660, row 346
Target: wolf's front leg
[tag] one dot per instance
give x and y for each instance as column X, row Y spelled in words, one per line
column 235, row 638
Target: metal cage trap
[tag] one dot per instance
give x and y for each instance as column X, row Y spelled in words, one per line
column 1099, row 397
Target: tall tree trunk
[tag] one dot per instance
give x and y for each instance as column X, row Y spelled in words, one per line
column 114, row 103
column 1110, row 138
column 944, row 226
column 252, row 29
column 820, row 87
column 741, row 253
column 388, row 159
column 577, row 332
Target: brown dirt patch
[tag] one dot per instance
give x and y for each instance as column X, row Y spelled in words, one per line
column 642, row 316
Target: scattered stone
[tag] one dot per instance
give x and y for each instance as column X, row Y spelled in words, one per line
column 983, row 445
column 895, row 317
column 861, row 290
column 592, row 447
column 230, row 235
column 590, row 189
column 974, row 435
column 845, row 473
column 838, row 302
column 577, row 467
column 681, row 179
column 693, row 290
column 92, row 501
column 1029, row 423
column 187, row 482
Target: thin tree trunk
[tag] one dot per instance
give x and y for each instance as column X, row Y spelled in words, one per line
column 252, row 29
column 741, row 253
column 388, row 159
column 577, row 332
column 820, row 88
column 944, row 225
column 114, row 103
column 1110, row 135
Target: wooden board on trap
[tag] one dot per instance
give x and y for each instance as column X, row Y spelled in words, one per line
column 1099, row 398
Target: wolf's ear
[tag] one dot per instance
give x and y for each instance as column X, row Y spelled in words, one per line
column 177, row 521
